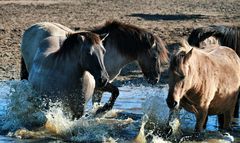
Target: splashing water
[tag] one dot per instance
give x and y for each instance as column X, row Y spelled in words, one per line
column 140, row 114
column 19, row 105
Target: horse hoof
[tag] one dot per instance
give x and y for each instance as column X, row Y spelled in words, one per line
column 198, row 136
column 103, row 109
column 228, row 137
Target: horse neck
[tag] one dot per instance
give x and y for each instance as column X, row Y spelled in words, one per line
column 114, row 60
column 198, row 69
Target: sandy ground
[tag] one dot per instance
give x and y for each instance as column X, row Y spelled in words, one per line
column 170, row 19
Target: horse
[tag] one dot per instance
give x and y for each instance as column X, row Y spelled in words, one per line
column 219, row 34
column 205, row 82
column 127, row 43
column 62, row 64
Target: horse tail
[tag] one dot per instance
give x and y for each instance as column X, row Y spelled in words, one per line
column 23, row 71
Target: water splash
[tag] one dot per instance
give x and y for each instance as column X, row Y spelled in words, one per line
column 139, row 115
column 156, row 113
column 20, row 104
column 22, row 113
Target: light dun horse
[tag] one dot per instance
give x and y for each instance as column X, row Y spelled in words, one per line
column 218, row 34
column 63, row 64
column 127, row 43
column 205, row 82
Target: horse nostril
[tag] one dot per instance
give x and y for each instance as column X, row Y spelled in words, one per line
column 168, row 103
column 171, row 104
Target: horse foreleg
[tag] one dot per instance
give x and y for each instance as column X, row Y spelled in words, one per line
column 109, row 105
column 201, row 118
column 97, row 97
column 221, row 121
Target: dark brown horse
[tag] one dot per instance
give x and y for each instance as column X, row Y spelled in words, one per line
column 227, row 36
column 205, row 82
column 63, row 64
column 127, row 43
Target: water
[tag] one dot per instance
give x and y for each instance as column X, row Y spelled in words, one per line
column 140, row 114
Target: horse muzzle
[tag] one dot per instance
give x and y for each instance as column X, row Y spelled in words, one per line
column 172, row 104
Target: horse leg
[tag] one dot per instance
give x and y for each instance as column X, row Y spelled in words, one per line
column 205, row 123
column 109, row 105
column 221, row 120
column 76, row 105
column 228, row 115
column 236, row 111
column 221, row 117
column 23, row 72
column 201, row 118
column 97, row 96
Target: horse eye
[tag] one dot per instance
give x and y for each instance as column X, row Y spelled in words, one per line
column 182, row 77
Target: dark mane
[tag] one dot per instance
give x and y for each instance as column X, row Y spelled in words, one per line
column 227, row 35
column 130, row 39
column 75, row 38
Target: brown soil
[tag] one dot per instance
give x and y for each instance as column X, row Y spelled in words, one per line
column 170, row 19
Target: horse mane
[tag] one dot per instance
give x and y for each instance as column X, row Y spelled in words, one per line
column 77, row 38
column 227, row 35
column 138, row 39
column 177, row 59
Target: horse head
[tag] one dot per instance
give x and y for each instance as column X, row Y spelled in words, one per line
column 91, row 55
column 179, row 75
column 152, row 57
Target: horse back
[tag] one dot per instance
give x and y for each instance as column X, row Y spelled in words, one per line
column 33, row 37
column 225, row 55
column 226, row 70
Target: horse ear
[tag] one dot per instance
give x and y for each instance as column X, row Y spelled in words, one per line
column 154, row 44
column 82, row 37
column 103, row 36
column 188, row 55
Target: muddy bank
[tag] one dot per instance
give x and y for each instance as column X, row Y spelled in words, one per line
column 170, row 20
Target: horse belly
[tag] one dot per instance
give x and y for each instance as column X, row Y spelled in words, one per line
column 222, row 103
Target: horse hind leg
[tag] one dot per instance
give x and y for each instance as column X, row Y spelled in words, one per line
column 23, row 71
column 228, row 115
column 236, row 110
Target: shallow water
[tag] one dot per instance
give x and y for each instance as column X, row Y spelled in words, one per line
column 138, row 114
